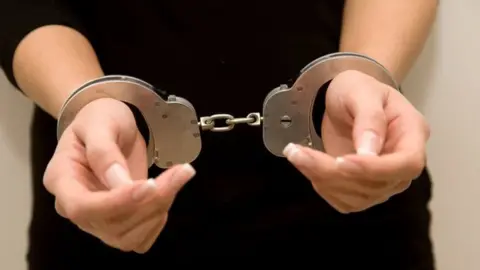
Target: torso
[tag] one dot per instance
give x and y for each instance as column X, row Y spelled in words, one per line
column 225, row 57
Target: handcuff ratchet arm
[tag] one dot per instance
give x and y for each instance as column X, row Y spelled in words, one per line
column 287, row 112
column 173, row 126
column 173, row 123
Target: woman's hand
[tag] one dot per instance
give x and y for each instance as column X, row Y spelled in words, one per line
column 375, row 143
column 98, row 176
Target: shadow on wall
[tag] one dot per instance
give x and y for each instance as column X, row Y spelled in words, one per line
column 15, row 118
column 421, row 76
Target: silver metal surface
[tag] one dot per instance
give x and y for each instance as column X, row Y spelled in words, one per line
column 174, row 131
column 209, row 122
column 287, row 112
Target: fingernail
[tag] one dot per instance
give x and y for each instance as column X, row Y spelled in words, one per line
column 185, row 173
column 144, row 190
column 368, row 143
column 347, row 165
column 116, row 176
column 293, row 153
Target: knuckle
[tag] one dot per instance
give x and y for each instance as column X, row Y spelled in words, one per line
column 142, row 250
column 366, row 204
column 403, row 186
column 110, row 239
column 99, row 151
column 126, row 247
column 428, row 130
column 145, row 247
column 121, row 244
column 101, row 156
column 382, row 200
column 49, row 176
column 416, row 166
column 59, row 209
column 47, row 182
column 72, row 211
column 359, row 209
column 423, row 124
column 378, row 114
column 164, row 220
column 373, row 182
column 342, row 210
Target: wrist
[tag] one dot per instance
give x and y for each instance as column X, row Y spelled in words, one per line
column 114, row 88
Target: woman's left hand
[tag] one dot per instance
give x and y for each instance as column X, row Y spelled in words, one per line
column 374, row 140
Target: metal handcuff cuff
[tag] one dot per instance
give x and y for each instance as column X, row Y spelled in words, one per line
column 175, row 129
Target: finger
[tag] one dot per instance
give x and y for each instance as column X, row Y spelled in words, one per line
column 320, row 167
column 310, row 161
column 107, row 161
column 370, row 181
column 137, row 236
column 397, row 189
column 370, row 123
column 79, row 204
column 169, row 186
column 132, row 239
column 138, row 159
column 411, row 132
column 156, row 203
column 151, row 237
column 398, row 166
column 69, row 161
column 321, row 170
column 317, row 167
column 338, row 204
column 104, row 138
column 75, row 198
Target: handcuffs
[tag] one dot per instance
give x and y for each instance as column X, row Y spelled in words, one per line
column 175, row 129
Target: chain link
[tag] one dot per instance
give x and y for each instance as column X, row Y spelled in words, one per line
column 210, row 123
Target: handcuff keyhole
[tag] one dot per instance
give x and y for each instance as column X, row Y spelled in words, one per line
column 286, row 121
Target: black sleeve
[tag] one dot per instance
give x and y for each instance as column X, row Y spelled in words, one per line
column 19, row 17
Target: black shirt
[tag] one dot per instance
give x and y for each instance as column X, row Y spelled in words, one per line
column 244, row 203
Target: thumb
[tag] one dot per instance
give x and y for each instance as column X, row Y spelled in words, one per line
column 108, row 162
column 369, row 126
column 171, row 181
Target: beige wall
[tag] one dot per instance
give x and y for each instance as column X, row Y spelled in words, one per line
column 15, row 197
column 445, row 85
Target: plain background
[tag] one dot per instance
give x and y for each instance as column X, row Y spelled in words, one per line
column 444, row 85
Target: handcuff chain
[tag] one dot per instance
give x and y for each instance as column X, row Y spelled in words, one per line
column 209, row 123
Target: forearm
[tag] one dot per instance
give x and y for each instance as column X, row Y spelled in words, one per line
column 51, row 62
column 392, row 32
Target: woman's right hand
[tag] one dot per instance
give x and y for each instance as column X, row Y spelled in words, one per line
column 98, row 176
